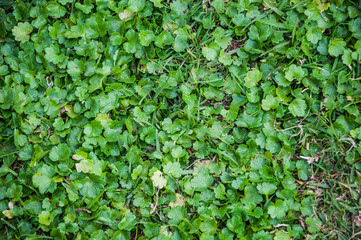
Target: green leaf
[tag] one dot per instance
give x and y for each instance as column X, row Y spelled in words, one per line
column 52, row 54
column 303, row 170
column 211, row 52
column 55, row 10
column 223, row 58
column 252, row 78
column 157, row 3
column 140, row 115
column 43, row 178
column 269, row 102
column 180, row 43
column 136, row 5
column 278, row 209
column 294, row 72
column 84, row 166
column 222, row 38
column 146, row 37
column 127, row 222
column 163, row 39
column 176, row 214
column 314, row 35
column 266, row 188
column 220, row 192
column 19, row 139
column 178, row 152
column 170, row 127
column 44, row 218
column 236, row 224
column 133, row 43
column 298, row 107
column 347, row 57
column 22, row 31
column 59, row 153
column 218, row 5
column 151, row 229
column 86, row 7
column 75, row 68
column 179, row 6
column 281, row 235
column 173, row 169
column 209, row 226
column 201, row 179
column 336, row 47
column 272, row 144
column 314, row 225
column 4, row 70
column 251, row 197
column 76, row 31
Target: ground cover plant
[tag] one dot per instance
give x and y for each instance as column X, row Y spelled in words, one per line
column 182, row 119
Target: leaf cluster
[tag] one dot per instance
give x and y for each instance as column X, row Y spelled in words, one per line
column 182, row 119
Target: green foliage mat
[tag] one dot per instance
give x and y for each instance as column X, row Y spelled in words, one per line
column 179, row 119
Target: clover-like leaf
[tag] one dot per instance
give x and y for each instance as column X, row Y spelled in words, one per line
column 314, row 35
column 252, row 78
column 52, row 54
column 44, row 218
column 75, row 68
column 158, row 180
column 266, row 188
column 336, row 47
column 22, row 31
column 136, row 5
column 314, row 225
column 43, row 178
column 173, row 169
column 211, row 51
column 146, row 37
column 84, row 166
column 180, row 43
column 55, row 10
column 294, row 72
column 298, row 107
column 269, row 102
column 60, row 152
column 163, row 39
column 278, row 209
column 86, row 7
column 281, row 235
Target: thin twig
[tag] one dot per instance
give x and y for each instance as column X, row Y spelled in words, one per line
column 354, row 235
column 154, row 207
column 350, row 140
column 192, row 164
column 51, row 83
column 82, row 210
column 284, row 130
